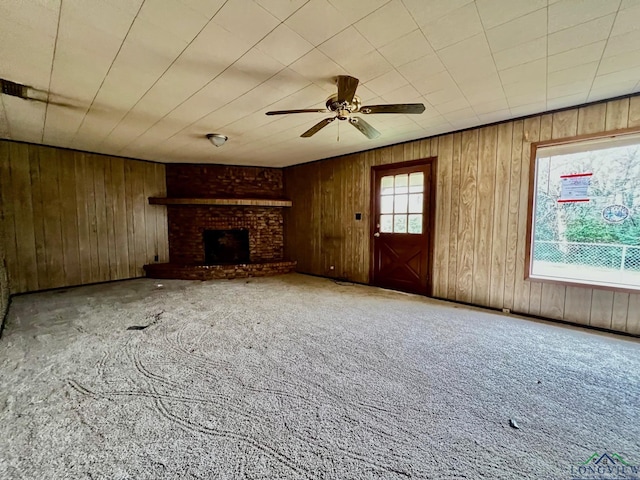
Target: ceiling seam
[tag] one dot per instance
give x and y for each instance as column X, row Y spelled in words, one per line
column 53, row 59
column 222, row 72
column 604, row 49
column 107, row 74
column 162, row 74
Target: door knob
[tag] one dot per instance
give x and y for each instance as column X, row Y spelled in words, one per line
column 377, row 234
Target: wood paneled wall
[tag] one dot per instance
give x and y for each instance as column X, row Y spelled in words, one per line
column 4, row 279
column 72, row 218
column 481, row 216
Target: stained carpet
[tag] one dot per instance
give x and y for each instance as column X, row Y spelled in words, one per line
column 297, row 377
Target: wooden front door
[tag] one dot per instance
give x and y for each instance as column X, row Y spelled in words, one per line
column 402, row 225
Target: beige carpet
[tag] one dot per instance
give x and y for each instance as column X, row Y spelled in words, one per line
column 298, row 377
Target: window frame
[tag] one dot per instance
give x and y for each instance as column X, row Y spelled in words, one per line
column 533, row 160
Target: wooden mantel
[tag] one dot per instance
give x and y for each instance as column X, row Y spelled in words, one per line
column 251, row 202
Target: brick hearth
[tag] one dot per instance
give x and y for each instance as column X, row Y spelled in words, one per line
column 188, row 222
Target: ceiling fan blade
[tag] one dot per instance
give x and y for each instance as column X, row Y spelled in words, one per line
column 347, row 88
column 285, row 112
column 317, row 127
column 394, row 108
column 364, row 127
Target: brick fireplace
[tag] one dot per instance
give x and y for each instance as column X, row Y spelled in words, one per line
column 250, row 213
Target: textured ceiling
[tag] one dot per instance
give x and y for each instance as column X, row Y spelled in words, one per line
column 148, row 79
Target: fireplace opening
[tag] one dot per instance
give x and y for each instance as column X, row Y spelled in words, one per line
column 226, row 247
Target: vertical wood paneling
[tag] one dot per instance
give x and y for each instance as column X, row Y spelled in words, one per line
column 500, row 215
column 514, row 210
column 479, row 253
column 69, row 218
column 23, row 219
column 455, row 215
column 8, row 215
column 485, row 192
column 467, row 214
column 522, row 288
column 443, row 217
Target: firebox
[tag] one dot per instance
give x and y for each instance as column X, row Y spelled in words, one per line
column 225, row 247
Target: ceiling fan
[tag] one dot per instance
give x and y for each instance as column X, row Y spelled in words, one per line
column 345, row 103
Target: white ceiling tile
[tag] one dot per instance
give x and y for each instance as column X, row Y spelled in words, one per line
column 443, row 96
column 521, row 91
column 354, row 10
column 387, row 24
column 246, row 19
column 406, row 49
column 568, row 101
column 583, row 34
column 490, row 94
column 492, row 106
column 174, row 17
column 25, row 119
column 317, row 67
column 463, row 118
column 433, row 83
column 386, row 83
column 573, row 88
column 523, row 53
column 516, row 32
column 536, row 70
column 284, row 45
column 619, row 62
column 281, row 8
column 628, row 4
column 288, row 81
column 25, row 56
column 454, row 27
column 432, row 10
column 577, row 56
column 405, row 94
column 495, row 13
column 369, row 66
column 346, row 46
column 497, row 116
column 462, row 52
column 628, row 76
column 573, row 74
column 568, row 13
column 421, row 68
column 622, row 43
column 518, row 100
column 627, row 21
column 453, row 105
column 317, row 21
column 208, row 8
column 41, row 16
column 476, row 67
column 529, row 109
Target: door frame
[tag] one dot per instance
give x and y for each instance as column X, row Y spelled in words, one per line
column 431, row 221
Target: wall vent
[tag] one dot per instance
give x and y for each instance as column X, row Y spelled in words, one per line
column 13, row 89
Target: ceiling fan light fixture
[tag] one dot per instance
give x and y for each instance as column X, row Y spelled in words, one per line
column 217, row 139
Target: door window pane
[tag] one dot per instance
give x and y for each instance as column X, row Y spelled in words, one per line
column 400, row 204
column 415, row 203
column 416, row 182
column 386, row 204
column 386, row 223
column 402, row 182
column 400, row 224
column 386, row 185
column 415, row 224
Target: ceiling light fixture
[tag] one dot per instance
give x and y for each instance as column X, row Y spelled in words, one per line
column 217, row 139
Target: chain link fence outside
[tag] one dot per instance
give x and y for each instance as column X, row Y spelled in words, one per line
column 600, row 255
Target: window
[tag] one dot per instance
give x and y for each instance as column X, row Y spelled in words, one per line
column 585, row 226
column 401, row 203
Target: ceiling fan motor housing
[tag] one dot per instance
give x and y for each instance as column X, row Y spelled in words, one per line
column 343, row 109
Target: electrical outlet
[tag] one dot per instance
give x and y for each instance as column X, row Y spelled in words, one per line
column 506, row 310
column 332, row 267
column 156, row 258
